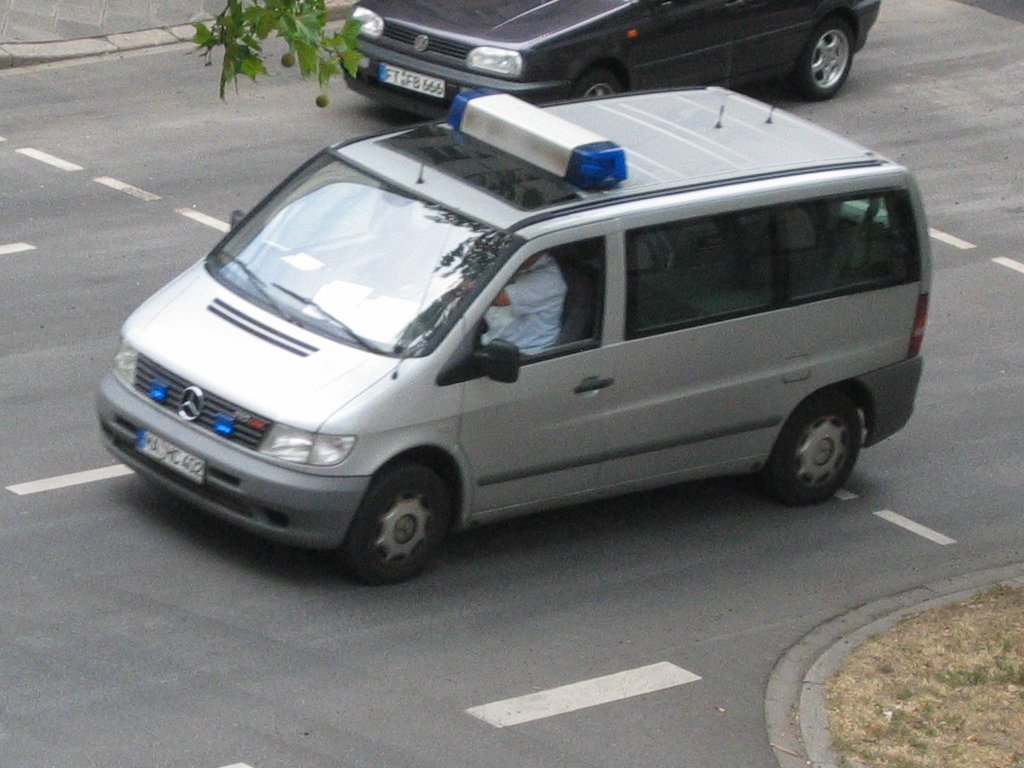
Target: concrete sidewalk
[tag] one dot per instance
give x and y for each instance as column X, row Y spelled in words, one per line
column 39, row 31
column 40, row 21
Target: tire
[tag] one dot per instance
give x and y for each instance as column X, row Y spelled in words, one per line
column 399, row 526
column 815, row 451
column 596, row 82
column 825, row 61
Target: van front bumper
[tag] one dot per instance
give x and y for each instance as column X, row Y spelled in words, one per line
column 252, row 492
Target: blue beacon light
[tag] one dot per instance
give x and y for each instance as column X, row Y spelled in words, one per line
column 600, row 165
column 580, row 156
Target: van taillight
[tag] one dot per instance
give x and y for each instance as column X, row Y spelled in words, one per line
column 920, row 320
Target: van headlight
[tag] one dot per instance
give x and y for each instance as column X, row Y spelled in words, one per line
column 125, row 362
column 302, row 447
column 371, row 24
column 496, row 61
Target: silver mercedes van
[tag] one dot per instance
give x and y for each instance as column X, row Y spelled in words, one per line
column 521, row 308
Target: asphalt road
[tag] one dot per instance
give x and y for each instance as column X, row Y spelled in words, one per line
column 134, row 632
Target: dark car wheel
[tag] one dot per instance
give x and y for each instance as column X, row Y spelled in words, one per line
column 596, row 82
column 400, row 525
column 815, row 451
column 825, row 62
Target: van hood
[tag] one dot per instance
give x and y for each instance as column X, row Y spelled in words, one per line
column 510, row 21
column 199, row 330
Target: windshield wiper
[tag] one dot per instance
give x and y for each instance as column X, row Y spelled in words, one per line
column 262, row 289
column 366, row 344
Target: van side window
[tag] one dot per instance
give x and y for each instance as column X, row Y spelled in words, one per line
column 698, row 270
column 527, row 317
column 583, row 269
column 843, row 245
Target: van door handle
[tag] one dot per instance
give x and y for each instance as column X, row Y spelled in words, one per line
column 592, row 383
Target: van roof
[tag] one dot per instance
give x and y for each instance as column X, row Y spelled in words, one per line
column 710, row 134
column 679, row 139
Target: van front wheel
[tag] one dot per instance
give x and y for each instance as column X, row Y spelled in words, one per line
column 815, row 450
column 399, row 526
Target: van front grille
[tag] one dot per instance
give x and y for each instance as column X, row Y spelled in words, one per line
column 213, row 413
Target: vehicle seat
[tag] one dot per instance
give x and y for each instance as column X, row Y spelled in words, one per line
column 578, row 309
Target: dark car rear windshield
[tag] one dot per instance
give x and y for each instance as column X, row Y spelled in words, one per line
column 498, row 173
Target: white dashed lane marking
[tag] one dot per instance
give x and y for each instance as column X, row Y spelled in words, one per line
column 913, row 527
column 903, row 522
column 128, row 189
column 1009, row 263
column 202, row 218
column 120, row 186
column 588, row 693
column 956, row 242
column 67, row 481
column 222, row 226
column 10, row 248
column 49, row 159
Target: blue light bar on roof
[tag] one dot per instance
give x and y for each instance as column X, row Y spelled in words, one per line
column 582, row 157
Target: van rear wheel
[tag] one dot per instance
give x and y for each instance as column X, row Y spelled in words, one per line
column 815, row 451
column 399, row 526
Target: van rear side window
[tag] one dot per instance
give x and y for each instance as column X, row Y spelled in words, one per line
column 847, row 245
column 695, row 271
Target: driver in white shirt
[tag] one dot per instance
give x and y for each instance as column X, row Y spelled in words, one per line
column 528, row 311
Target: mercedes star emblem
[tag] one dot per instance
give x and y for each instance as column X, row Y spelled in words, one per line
column 191, row 404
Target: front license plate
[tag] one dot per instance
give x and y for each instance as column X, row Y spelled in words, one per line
column 411, row 81
column 170, row 455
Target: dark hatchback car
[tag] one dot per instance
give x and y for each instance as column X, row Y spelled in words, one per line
column 418, row 54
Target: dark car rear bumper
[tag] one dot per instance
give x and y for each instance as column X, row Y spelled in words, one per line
column 867, row 15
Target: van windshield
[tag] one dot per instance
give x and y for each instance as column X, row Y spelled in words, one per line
column 349, row 257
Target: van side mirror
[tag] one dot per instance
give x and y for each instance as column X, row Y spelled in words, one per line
column 498, row 360
column 236, row 218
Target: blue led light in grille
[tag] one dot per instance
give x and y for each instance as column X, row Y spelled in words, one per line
column 223, row 424
column 158, row 390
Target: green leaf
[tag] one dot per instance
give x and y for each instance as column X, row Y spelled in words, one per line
column 252, row 66
column 350, row 60
column 308, row 59
column 243, row 25
column 203, row 37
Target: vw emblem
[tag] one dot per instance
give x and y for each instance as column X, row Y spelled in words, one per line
column 420, row 43
column 191, row 404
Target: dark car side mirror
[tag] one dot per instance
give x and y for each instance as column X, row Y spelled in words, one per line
column 498, row 360
column 236, row 218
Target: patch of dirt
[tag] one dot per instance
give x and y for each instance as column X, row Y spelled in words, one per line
column 943, row 689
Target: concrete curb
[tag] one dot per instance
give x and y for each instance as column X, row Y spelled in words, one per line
column 29, row 54
column 795, row 713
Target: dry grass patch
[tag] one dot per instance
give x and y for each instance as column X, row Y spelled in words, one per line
column 943, row 689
